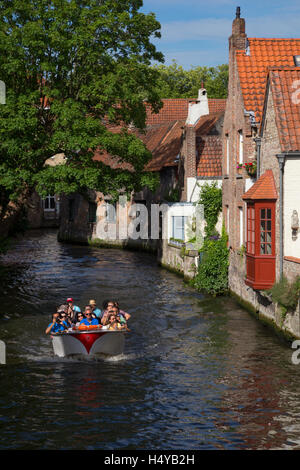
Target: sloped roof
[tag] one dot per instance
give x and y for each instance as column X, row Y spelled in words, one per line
column 177, row 110
column 167, row 148
column 209, row 161
column 253, row 68
column 263, row 188
column 207, row 122
column 285, row 86
column 162, row 140
column 163, row 132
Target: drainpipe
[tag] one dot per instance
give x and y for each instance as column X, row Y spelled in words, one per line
column 257, row 140
column 281, row 161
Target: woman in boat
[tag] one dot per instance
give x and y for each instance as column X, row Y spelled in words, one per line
column 107, row 306
column 114, row 322
column 124, row 314
column 80, row 318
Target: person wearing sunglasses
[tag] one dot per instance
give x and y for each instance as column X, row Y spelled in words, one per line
column 88, row 320
column 80, row 317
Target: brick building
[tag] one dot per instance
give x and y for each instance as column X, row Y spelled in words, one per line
column 166, row 136
column 261, row 127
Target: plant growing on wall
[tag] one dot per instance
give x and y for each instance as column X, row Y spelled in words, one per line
column 211, row 198
column 286, row 294
column 212, row 276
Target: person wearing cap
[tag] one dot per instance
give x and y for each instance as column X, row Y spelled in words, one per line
column 73, row 310
column 95, row 310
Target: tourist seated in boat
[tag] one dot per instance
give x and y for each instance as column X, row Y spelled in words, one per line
column 114, row 322
column 73, row 310
column 124, row 314
column 66, row 320
column 96, row 312
column 88, row 320
column 80, row 317
column 107, row 306
column 110, row 306
column 56, row 325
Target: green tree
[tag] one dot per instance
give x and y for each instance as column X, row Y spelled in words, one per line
column 70, row 68
column 176, row 82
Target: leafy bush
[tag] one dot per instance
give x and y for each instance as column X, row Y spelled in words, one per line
column 212, row 276
column 286, row 293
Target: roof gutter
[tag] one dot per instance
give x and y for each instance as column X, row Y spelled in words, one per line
column 281, row 161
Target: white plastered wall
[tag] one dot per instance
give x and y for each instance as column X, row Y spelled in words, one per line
column 291, row 202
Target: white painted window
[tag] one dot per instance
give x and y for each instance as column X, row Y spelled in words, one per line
column 241, row 213
column 49, row 203
column 241, row 147
column 178, row 224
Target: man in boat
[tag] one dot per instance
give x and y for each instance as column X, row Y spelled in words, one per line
column 56, row 325
column 95, row 310
column 88, row 320
column 73, row 310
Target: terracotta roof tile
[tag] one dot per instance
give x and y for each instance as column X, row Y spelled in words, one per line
column 163, row 132
column 177, row 109
column 284, row 84
column 263, row 188
column 209, row 161
column 253, row 68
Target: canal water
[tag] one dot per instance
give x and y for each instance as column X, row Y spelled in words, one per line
column 196, row 373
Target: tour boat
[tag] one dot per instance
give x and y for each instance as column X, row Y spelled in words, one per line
column 88, row 341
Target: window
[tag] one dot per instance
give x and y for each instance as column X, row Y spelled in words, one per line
column 260, row 254
column 71, row 210
column 227, row 154
column 241, row 216
column 49, row 203
column 250, row 229
column 178, row 223
column 92, row 212
column 265, row 231
column 111, row 212
column 241, row 147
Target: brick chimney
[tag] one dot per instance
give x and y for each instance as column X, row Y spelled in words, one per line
column 238, row 38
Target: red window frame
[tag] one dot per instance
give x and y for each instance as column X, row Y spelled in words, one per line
column 260, row 247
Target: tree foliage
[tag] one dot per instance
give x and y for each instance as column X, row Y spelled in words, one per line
column 90, row 61
column 176, row 82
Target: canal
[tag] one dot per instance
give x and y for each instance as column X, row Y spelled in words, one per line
column 196, row 373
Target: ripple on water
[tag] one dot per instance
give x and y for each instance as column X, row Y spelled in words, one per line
column 196, row 373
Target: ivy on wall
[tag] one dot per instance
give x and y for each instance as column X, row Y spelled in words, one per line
column 212, row 276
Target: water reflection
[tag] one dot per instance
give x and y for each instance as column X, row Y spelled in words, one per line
column 197, row 373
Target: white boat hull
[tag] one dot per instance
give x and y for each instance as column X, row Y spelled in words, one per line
column 89, row 343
